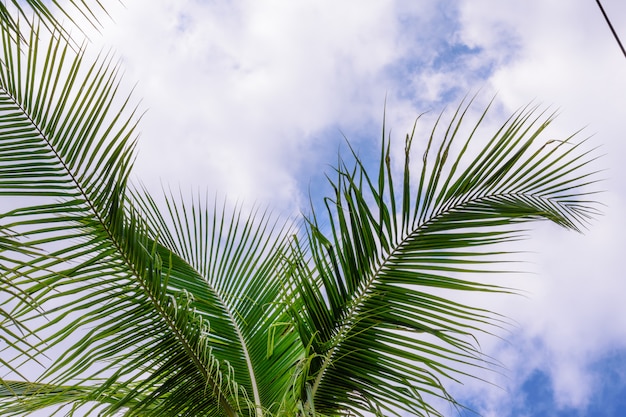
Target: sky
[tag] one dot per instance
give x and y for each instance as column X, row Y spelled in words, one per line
column 252, row 99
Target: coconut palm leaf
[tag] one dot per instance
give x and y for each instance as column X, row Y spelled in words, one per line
column 184, row 313
column 66, row 144
column 384, row 320
column 233, row 266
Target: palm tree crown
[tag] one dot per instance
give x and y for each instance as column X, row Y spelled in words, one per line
column 190, row 308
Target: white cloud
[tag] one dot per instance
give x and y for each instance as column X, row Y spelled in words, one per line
column 238, row 92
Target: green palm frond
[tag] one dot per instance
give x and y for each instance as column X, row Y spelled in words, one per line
column 187, row 314
column 384, row 322
column 32, row 138
column 67, row 141
column 232, row 264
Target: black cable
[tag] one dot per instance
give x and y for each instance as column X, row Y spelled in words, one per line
column 611, row 27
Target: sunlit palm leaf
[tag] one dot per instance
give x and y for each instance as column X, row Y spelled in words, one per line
column 389, row 330
column 233, row 266
column 66, row 141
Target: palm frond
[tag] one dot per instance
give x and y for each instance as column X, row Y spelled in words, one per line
column 232, row 264
column 66, row 141
column 187, row 311
column 384, row 323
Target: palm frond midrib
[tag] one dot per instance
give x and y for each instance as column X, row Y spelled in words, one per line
column 215, row 276
column 244, row 349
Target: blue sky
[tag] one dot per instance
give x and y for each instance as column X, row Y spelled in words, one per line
column 251, row 99
column 536, row 397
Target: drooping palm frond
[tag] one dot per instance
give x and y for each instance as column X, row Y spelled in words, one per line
column 109, row 317
column 31, row 136
column 383, row 322
column 182, row 313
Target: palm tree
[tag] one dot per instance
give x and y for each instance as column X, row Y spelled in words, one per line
column 116, row 304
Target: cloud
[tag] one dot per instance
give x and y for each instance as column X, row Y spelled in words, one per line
column 252, row 98
column 240, row 92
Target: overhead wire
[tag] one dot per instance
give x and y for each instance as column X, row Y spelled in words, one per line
column 606, row 17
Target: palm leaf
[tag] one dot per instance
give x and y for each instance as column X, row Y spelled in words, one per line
column 233, row 266
column 186, row 316
column 67, row 141
column 390, row 331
